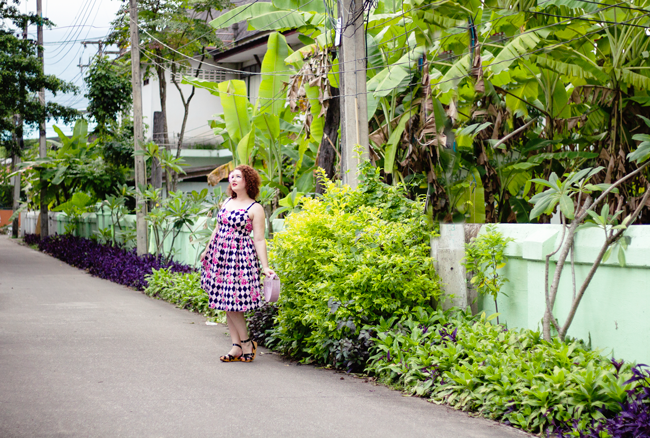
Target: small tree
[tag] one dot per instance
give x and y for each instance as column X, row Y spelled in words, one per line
column 484, row 256
column 21, row 79
column 109, row 92
column 171, row 33
column 574, row 197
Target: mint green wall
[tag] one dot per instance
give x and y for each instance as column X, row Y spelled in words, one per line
column 615, row 310
column 186, row 251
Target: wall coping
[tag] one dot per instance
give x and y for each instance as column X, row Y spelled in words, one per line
column 534, row 241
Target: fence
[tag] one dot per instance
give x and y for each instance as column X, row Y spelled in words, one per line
column 614, row 314
column 186, row 250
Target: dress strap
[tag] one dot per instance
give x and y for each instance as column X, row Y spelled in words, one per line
column 254, row 202
column 224, row 204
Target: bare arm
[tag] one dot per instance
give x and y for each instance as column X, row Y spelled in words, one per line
column 257, row 216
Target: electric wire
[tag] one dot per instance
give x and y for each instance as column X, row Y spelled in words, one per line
column 76, row 32
column 87, row 33
column 64, row 56
column 523, row 55
column 75, row 24
column 285, row 72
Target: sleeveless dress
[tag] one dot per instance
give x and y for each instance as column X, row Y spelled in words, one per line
column 231, row 270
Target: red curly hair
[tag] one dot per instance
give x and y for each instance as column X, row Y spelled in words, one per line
column 253, row 182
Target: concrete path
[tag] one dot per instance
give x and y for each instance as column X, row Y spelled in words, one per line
column 83, row 357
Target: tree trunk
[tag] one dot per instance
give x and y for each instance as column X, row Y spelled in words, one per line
column 20, row 144
column 186, row 113
column 162, row 88
column 159, row 139
column 16, row 195
column 491, row 184
column 327, row 153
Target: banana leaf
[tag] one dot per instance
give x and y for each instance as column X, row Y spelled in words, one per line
column 272, row 92
column 235, row 108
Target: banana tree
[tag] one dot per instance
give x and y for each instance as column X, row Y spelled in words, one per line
column 73, row 165
column 558, row 83
column 266, row 132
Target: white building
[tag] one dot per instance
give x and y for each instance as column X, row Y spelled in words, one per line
column 240, row 59
column 202, row 108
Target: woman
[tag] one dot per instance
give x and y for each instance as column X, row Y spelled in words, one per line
column 231, row 274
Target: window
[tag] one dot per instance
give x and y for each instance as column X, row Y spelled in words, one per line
column 208, row 72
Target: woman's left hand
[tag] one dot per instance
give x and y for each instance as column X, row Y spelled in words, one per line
column 269, row 273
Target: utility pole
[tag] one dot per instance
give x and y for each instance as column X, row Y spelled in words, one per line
column 100, row 44
column 354, row 109
column 20, row 145
column 138, row 134
column 42, row 143
column 14, row 166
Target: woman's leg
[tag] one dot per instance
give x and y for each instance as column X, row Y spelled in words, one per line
column 234, row 335
column 239, row 322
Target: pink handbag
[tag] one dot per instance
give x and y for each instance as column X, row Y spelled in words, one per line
column 272, row 288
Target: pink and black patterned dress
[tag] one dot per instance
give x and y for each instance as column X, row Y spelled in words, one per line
column 231, row 270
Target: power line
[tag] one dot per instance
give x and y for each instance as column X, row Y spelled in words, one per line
column 80, row 29
column 70, row 41
column 87, row 33
column 74, row 24
column 81, row 25
column 284, row 73
column 85, row 12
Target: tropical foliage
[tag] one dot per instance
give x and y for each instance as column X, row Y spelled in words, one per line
column 266, row 134
column 73, row 165
column 472, row 100
column 513, row 376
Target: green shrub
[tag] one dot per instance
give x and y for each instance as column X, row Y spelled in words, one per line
column 484, row 256
column 507, row 375
column 346, row 261
column 184, row 290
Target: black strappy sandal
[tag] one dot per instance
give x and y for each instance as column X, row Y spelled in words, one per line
column 249, row 357
column 230, row 358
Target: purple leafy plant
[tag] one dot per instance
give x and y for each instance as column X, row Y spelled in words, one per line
column 633, row 421
column 111, row 263
column 31, row 239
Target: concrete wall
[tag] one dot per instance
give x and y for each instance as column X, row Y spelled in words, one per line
column 186, row 250
column 615, row 310
column 4, row 217
column 614, row 313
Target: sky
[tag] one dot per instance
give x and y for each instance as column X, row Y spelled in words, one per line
column 76, row 21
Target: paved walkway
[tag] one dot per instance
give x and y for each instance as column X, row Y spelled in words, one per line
column 83, row 357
